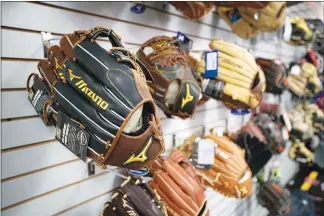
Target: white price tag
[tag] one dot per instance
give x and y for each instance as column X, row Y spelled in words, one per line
column 284, row 133
column 295, row 70
column 206, row 151
column 211, row 63
column 287, row 121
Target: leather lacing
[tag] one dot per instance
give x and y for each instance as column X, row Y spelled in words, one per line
column 167, row 54
column 132, row 58
column 156, row 129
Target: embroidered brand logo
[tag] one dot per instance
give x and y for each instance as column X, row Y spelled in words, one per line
column 83, row 86
column 142, row 156
column 159, row 45
column 57, row 65
column 188, row 97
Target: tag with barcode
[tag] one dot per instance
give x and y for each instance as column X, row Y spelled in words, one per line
column 206, row 152
column 287, row 121
column 185, row 43
column 211, row 59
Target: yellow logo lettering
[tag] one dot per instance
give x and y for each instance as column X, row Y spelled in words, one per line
column 142, row 156
column 188, row 97
column 57, row 65
column 125, row 204
column 83, row 86
column 72, row 76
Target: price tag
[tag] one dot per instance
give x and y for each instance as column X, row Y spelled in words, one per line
column 72, row 136
column 185, row 43
column 284, row 132
column 240, row 111
column 206, row 152
column 211, row 59
column 287, row 121
column 141, row 172
column 203, row 153
column 138, row 8
column 295, row 70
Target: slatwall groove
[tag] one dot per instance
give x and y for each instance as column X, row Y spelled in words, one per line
column 82, row 203
column 3, row 151
column 44, row 194
column 38, row 170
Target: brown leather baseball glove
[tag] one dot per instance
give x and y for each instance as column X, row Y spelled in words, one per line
column 193, row 10
column 175, row 181
column 230, row 174
column 136, row 198
column 174, row 88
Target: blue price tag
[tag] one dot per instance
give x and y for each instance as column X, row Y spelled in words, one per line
column 141, row 172
column 138, row 8
column 240, row 111
column 211, row 68
column 181, row 37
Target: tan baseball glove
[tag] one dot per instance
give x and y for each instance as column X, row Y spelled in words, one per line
column 306, row 83
column 267, row 19
column 240, row 82
column 230, row 174
column 238, row 25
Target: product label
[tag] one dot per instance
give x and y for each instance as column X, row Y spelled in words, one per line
column 240, row 111
column 72, row 136
column 203, row 154
column 211, row 68
column 141, row 172
column 185, row 43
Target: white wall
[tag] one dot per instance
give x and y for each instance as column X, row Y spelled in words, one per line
column 41, row 177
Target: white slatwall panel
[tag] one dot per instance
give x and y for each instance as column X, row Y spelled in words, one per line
column 41, row 177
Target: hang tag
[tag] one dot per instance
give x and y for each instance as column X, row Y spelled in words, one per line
column 287, row 121
column 203, row 153
column 295, row 70
column 185, row 43
column 138, row 8
column 72, row 136
column 141, row 172
column 211, row 68
column 240, row 111
column 284, row 132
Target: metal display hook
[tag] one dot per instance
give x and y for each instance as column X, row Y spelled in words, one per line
column 47, row 37
column 91, row 170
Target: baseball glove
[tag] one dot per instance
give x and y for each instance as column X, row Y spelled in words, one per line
column 240, row 82
column 238, row 25
column 257, row 153
column 301, row 154
column 274, row 198
column 271, row 132
column 236, row 4
column 136, row 198
column 80, row 80
column 307, row 83
column 174, row 89
column 297, row 32
column 300, row 128
column 275, row 74
column 193, row 10
column 230, row 174
column 175, row 181
column 270, row 18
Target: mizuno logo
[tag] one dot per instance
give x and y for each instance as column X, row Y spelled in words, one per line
column 72, row 76
column 159, row 45
column 142, row 156
column 188, row 97
column 83, row 86
column 57, row 65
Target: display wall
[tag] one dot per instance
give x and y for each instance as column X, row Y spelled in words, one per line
column 39, row 175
